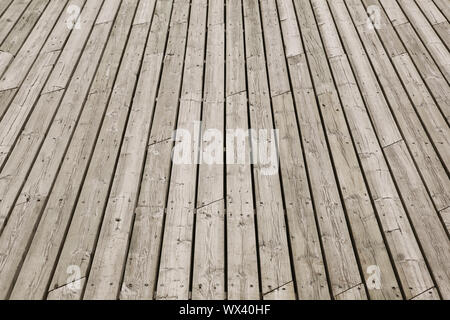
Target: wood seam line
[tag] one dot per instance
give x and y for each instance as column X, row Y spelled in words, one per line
column 393, row 143
column 352, row 287
column 433, row 287
column 277, row 288
column 66, row 284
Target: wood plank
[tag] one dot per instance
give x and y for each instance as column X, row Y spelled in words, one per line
column 382, row 118
column 23, row 27
column 333, row 156
column 5, row 60
column 25, row 132
column 419, row 199
column 17, row 74
column 6, row 97
column 110, row 256
column 361, row 215
column 63, row 70
column 427, row 159
column 430, row 73
column 242, row 260
column 11, row 16
column 4, row 6
column 17, row 108
column 32, row 79
column 444, row 6
column 427, row 34
column 28, row 53
column 275, row 272
column 413, row 274
column 436, row 83
column 432, row 119
column 309, row 265
column 404, row 249
column 445, row 216
column 432, row 12
column 35, row 274
column 167, row 284
column 22, row 223
column 419, row 88
column 443, row 30
column 141, row 270
column 83, row 232
column 424, row 218
column 208, row 282
column 209, row 257
column 431, row 294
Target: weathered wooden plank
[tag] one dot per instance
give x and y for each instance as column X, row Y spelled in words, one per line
column 6, row 97
column 384, row 123
column 63, row 70
column 18, row 107
column 28, row 53
column 36, row 270
column 82, row 234
column 308, row 261
column 361, row 215
column 427, row 34
column 143, row 258
column 26, row 132
column 175, row 260
column 427, row 69
column 16, row 168
column 432, row 171
column 430, row 73
column 141, row 271
column 24, row 216
column 410, row 265
column 30, row 86
column 23, row 27
column 208, row 281
column 110, row 256
column 33, row 82
column 353, row 293
column 4, row 6
column 431, row 11
column 431, row 294
column 144, row 13
column 209, row 256
column 420, row 146
column 433, row 121
column 11, row 16
column 445, row 216
column 5, row 60
column 275, row 273
column 419, row 82
column 413, row 274
column 76, row 178
column 444, row 6
column 242, row 260
column 443, row 29
column 393, row 44
column 424, row 218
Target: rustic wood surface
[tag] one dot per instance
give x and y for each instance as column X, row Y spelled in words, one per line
column 96, row 97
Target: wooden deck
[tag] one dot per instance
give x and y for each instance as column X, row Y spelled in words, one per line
column 353, row 96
